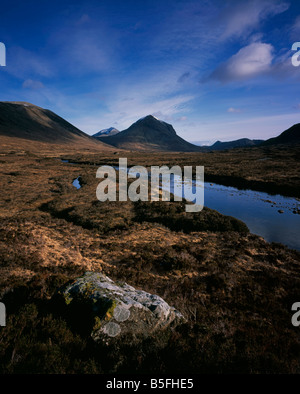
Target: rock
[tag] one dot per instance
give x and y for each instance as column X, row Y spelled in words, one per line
column 110, row 309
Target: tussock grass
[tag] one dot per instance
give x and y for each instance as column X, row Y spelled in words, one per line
column 235, row 289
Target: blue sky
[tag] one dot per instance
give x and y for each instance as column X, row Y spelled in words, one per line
column 216, row 70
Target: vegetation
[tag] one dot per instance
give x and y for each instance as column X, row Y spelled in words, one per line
column 272, row 169
column 235, row 289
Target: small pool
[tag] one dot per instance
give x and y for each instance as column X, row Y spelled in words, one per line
column 274, row 217
column 76, row 183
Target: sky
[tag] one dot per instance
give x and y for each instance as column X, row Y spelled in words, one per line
column 214, row 69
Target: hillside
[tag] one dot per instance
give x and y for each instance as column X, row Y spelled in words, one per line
column 240, row 143
column 29, row 123
column 148, row 134
column 289, row 136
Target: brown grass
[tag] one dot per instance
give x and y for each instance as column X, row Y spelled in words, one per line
column 273, row 169
column 235, row 289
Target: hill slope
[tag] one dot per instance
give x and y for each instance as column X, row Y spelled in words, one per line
column 148, row 134
column 240, row 143
column 25, row 121
column 289, row 136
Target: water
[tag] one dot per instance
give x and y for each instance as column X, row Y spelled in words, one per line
column 262, row 217
column 260, row 211
column 66, row 161
column 257, row 209
column 76, row 183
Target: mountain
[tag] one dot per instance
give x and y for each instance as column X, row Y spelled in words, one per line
column 241, row 143
column 148, row 134
column 28, row 122
column 106, row 133
column 289, row 136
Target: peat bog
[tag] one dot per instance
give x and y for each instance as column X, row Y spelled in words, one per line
column 234, row 288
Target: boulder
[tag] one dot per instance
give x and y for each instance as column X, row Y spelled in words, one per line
column 109, row 309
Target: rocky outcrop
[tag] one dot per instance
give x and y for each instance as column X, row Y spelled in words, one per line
column 113, row 309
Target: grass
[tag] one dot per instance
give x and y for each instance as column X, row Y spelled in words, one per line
column 273, row 169
column 234, row 288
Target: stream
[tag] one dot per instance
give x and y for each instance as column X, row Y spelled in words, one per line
column 274, row 217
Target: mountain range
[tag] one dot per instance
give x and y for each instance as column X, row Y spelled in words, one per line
column 152, row 134
column 21, row 121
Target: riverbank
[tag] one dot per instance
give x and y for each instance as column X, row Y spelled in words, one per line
column 274, row 170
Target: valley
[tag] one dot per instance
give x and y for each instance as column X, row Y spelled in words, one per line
column 234, row 289
column 149, row 192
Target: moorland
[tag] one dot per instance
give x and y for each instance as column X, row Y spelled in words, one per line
column 234, row 288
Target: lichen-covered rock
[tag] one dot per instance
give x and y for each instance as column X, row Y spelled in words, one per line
column 116, row 309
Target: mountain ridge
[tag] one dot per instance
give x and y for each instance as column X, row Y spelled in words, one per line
column 239, row 143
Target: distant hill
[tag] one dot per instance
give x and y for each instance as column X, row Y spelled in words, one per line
column 32, row 123
column 148, row 134
column 106, row 133
column 241, row 143
column 289, row 136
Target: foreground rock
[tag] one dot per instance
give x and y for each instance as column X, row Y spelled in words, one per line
column 107, row 309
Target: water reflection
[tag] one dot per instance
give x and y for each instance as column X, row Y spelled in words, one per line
column 271, row 216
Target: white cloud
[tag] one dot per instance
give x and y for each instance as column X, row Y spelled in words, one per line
column 83, row 45
column 85, row 18
column 24, row 63
column 295, row 29
column 234, row 110
column 240, row 17
column 182, row 119
column 31, row 84
column 139, row 95
column 123, row 114
column 248, row 62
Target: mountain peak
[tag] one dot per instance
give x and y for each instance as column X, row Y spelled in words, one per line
column 150, row 133
column 148, row 117
column 106, row 132
column 150, row 124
